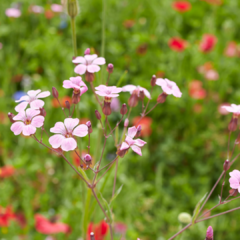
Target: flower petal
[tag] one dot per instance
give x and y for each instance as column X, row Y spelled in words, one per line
column 71, row 123
column 136, row 149
column 20, row 116
column 43, row 94
column 17, row 127
column 37, row 121
column 129, row 88
column 58, row 128
column 21, row 106
column 67, row 84
column 146, row 92
column 28, row 130
column 56, row 140
column 90, row 58
column 80, row 69
column 23, row 98
column 132, row 131
column 235, row 174
column 81, row 130
column 93, row 68
column 33, row 93
column 124, row 146
column 68, row 144
column 79, row 60
column 30, row 113
column 234, row 183
column 103, row 94
column 99, row 61
column 139, row 142
column 37, row 104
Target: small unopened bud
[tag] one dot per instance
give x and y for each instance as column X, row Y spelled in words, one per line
column 139, row 129
column 153, row 80
column 226, row 165
column 89, row 125
column 87, row 51
column 133, row 100
column 110, row 68
column 88, row 159
column 233, row 192
column 72, row 8
column 92, row 237
column 141, row 95
column 89, row 76
column 209, row 234
column 54, row 92
column 126, row 122
column 11, row 116
column 162, row 97
column 43, row 112
column 67, row 103
column 76, row 98
column 123, row 109
column 184, row 218
column 98, row 115
column 232, row 126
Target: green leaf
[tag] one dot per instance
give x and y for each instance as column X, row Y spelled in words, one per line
column 116, row 194
column 197, row 208
column 107, row 206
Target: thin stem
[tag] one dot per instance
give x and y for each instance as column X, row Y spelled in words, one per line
column 61, row 107
column 46, row 132
column 115, row 178
column 88, row 143
column 92, row 87
column 115, row 127
column 148, row 102
column 220, row 201
column 234, row 159
column 151, row 109
column 182, row 230
column 108, row 164
column 74, row 37
column 72, row 110
column 229, row 135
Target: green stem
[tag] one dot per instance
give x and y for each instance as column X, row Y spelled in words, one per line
column 86, row 213
column 74, row 37
column 103, row 36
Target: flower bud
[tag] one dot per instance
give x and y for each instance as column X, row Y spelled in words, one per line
column 233, row 192
column 126, row 122
column 87, row 51
column 43, row 112
column 72, row 8
column 133, row 100
column 184, row 218
column 107, row 107
column 54, row 92
column 98, row 115
column 139, row 129
column 67, row 103
column 153, row 81
column 89, row 125
column 232, row 126
column 162, row 98
column 92, row 237
column 226, row 165
column 209, row 234
column 123, row 109
column 141, row 95
column 88, row 159
column 11, row 116
column 89, row 76
column 110, row 68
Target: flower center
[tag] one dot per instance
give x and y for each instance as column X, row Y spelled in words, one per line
column 68, row 135
column 27, row 122
column 169, row 85
column 76, row 91
column 107, row 99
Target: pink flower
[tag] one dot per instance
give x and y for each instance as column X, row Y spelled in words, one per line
column 177, row 44
column 109, row 92
column 235, row 180
column 66, row 132
column 88, row 63
column 36, row 9
column 211, row 75
column 222, row 110
column 57, row 8
column 33, row 99
column 233, row 108
column 208, row 42
column 13, row 12
column 27, row 122
column 77, row 84
column 133, row 144
column 231, row 49
column 136, row 89
column 169, row 87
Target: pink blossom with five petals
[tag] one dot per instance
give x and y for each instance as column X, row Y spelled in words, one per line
column 27, row 122
column 235, row 180
column 66, row 132
column 13, row 12
column 131, row 143
column 169, row 87
column 88, row 63
column 137, row 89
column 233, row 108
column 110, row 92
column 76, row 83
column 33, row 99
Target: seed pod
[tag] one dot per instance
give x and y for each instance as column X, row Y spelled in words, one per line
column 233, row 192
column 141, row 95
column 133, row 100
column 54, row 92
column 153, row 80
column 226, row 165
column 67, row 103
column 107, row 108
column 162, row 97
column 72, row 8
column 43, row 112
column 232, row 126
column 76, row 98
column 89, row 76
column 123, row 109
column 98, row 115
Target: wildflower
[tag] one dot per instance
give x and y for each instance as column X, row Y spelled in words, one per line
column 209, row 233
column 88, row 63
column 235, row 109
column 205, row 67
column 211, row 75
column 120, row 228
column 145, row 123
column 49, row 14
column 196, row 91
column 6, row 171
column 130, row 143
column 169, row 87
column 108, row 93
column 66, row 132
column 177, row 44
column 27, row 122
column 45, row 226
column 207, row 43
column 56, row 8
column 235, row 180
column 5, row 216
column 76, row 84
column 181, row 6
column 32, row 98
column 13, row 12
column 36, row 9
column 231, row 50
column 222, row 110
column 21, row 219
column 100, row 230
column 136, row 90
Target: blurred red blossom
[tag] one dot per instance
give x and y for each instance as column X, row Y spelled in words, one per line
column 177, row 44
column 6, row 215
column 196, row 91
column 6, row 171
column 20, row 218
column 100, row 230
column 205, row 67
column 181, row 6
column 207, row 43
column 120, row 228
column 55, row 103
column 76, row 159
column 211, row 75
column 49, row 14
column 45, row 226
column 231, row 50
column 145, row 124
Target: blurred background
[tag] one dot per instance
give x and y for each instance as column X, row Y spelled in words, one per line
column 195, row 44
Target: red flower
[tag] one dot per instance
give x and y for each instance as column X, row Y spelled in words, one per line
column 177, row 44
column 196, row 91
column 6, row 171
column 45, row 226
column 145, row 124
column 5, row 216
column 20, row 218
column 207, row 43
column 100, row 230
column 181, row 6
column 55, row 103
